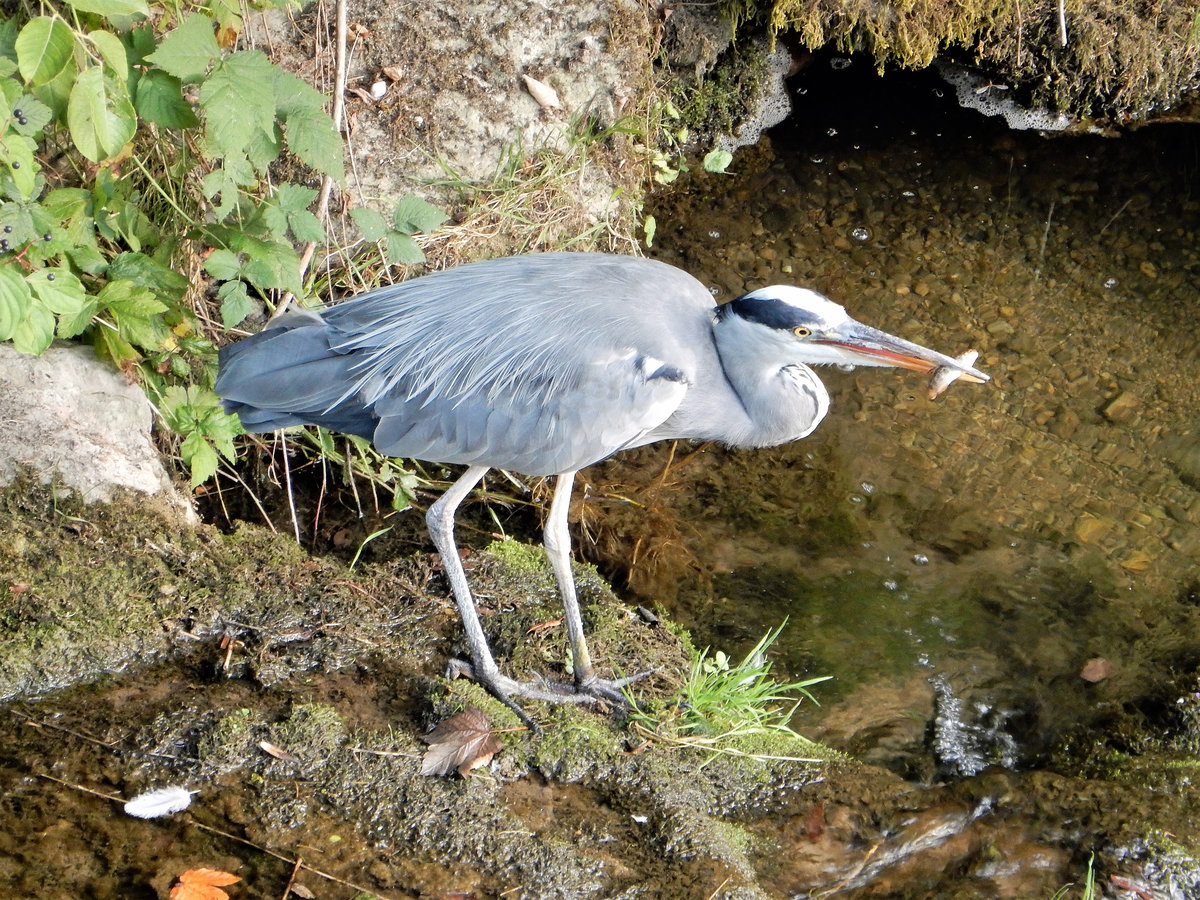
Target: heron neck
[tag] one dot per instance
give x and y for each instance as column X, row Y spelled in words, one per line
column 783, row 400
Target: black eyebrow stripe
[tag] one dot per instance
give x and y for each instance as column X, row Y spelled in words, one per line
column 766, row 311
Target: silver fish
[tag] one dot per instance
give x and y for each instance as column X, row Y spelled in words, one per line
column 944, row 376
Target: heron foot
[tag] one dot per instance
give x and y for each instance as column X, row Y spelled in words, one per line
column 503, row 688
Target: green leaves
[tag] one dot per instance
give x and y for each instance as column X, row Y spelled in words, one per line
column 44, row 49
column 95, row 258
column 236, row 107
column 100, row 114
column 160, row 100
column 112, row 8
column 717, row 161
column 412, row 215
column 15, row 298
column 208, row 430
column 29, row 306
column 188, row 51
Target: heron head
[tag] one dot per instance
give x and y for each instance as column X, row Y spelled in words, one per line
column 818, row 331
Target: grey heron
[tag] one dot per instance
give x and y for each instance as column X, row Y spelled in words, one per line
column 543, row 364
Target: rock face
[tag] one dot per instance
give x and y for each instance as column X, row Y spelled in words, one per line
column 439, row 99
column 71, row 419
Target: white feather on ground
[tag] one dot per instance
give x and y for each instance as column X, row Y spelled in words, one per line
column 160, row 802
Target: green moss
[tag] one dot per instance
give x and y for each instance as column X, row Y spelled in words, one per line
column 715, row 104
column 1122, row 59
column 230, row 743
column 312, row 731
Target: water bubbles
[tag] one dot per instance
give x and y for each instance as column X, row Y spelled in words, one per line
column 892, row 584
column 920, row 559
column 856, row 498
column 909, row 194
column 861, row 233
column 1110, row 283
column 816, row 160
column 714, row 290
column 831, row 132
column 867, row 488
column 714, row 234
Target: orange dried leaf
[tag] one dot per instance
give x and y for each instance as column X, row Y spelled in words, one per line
column 209, row 876
column 460, row 744
column 203, row 884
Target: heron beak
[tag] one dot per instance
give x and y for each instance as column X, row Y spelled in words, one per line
column 866, row 346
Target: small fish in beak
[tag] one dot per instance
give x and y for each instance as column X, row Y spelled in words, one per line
column 944, row 376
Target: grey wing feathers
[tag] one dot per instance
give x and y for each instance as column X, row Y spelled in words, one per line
column 539, row 363
column 287, row 375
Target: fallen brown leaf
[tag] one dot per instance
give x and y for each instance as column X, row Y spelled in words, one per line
column 276, row 751
column 1096, row 669
column 459, row 744
column 203, row 884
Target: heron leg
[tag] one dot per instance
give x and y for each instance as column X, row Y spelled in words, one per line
column 440, row 520
column 557, row 538
column 483, row 668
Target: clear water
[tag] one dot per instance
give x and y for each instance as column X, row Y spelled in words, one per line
column 1001, row 536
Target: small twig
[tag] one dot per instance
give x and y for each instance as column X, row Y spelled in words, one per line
column 80, row 787
column 292, row 880
column 1045, row 237
column 719, row 886
column 402, row 753
column 1020, row 28
column 1062, row 23
column 79, row 734
column 854, row 873
column 287, row 483
column 287, row 859
column 338, row 115
column 1114, row 216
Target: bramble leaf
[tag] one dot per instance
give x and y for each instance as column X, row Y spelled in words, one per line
column 201, row 458
column 235, row 303
column 370, row 222
column 287, row 210
column 414, row 215
column 189, row 50
column 236, row 106
column 403, row 249
column 223, row 265
column 160, row 100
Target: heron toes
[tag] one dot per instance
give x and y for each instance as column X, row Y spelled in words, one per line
column 592, row 690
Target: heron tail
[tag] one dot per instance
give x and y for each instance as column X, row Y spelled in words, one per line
column 289, row 375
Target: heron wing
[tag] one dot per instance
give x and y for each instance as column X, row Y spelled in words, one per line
column 539, row 363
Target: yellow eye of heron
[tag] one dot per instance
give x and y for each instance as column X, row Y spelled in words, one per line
column 802, row 331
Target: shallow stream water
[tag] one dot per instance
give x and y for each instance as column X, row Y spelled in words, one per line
column 1010, row 569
